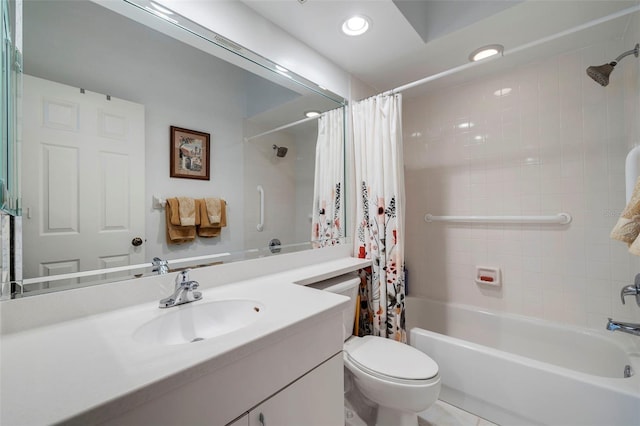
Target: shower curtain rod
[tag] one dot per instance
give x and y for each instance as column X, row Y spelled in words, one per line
column 286, row 126
column 525, row 46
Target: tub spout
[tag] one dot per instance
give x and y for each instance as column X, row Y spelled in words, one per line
column 625, row 327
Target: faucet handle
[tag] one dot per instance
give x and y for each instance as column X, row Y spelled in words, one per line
column 160, row 266
column 182, row 278
column 631, row 290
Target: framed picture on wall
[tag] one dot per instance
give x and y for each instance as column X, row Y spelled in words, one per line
column 189, row 154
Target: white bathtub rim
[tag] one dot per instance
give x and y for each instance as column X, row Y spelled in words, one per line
column 628, row 343
column 629, row 386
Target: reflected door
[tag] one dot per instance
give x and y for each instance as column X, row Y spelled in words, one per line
column 82, row 180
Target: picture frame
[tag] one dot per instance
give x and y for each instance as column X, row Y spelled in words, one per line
column 190, row 154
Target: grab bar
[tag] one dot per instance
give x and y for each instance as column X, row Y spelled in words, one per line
column 560, row 218
column 631, row 168
column 260, row 226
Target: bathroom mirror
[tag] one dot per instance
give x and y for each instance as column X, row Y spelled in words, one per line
column 88, row 67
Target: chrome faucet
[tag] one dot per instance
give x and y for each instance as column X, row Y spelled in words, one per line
column 625, row 327
column 184, row 291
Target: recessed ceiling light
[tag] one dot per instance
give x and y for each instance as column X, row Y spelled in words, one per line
column 311, row 114
column 485, row 52
column 356, row 25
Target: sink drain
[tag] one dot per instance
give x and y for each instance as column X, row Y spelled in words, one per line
column 197, row 339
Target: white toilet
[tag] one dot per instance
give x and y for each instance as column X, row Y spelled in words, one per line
column 398, row 378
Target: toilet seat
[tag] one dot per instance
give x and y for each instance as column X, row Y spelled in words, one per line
column 389, row 360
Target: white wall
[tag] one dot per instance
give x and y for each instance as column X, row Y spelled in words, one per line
column 556, row 143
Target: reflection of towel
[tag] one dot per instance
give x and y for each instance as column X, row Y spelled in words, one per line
column 208, row 229
column 213, row 209
column 187, row 210
column 177, row 234
column 172, row 207
column 175, row 212
column 628, row 226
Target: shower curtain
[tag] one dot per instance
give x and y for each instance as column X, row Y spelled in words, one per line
column 377, row 138
column 328, row 195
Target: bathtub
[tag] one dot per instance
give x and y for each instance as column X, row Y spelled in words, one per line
column 516, row 370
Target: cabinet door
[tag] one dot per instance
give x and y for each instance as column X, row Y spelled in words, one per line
column 242, row 421
column 315, row 399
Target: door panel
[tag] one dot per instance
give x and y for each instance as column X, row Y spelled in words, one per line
column 83, row 179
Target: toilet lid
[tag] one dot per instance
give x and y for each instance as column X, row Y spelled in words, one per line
column 390, row 358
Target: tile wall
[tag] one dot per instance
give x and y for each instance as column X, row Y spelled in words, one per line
column 287, row 184
column 555, row 143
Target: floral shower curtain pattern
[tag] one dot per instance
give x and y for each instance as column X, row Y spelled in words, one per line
column 328, row 195
column 379, row 236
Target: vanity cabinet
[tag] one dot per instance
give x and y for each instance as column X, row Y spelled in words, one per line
column 316, row 399
column 242, row 421
column 292, row 381
column 287, row 366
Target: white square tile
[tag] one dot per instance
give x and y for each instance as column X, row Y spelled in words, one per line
column 580, row 134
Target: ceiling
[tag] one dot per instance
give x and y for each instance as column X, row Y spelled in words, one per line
column 411, row 39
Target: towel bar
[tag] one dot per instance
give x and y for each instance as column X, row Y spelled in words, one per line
column 560, row 218
column 159, row 202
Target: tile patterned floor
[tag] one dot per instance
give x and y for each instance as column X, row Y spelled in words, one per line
column 443, row 414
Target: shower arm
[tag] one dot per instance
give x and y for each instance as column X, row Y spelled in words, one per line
column 633, row 51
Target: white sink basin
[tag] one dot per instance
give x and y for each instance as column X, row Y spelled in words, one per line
column 198, row 321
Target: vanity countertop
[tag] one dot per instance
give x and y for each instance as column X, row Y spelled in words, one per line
column 54, row 373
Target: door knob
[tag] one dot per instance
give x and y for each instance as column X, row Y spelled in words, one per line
column 137, row 241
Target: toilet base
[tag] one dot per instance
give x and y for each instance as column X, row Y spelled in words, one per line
column 391, row 417
column 351, row 417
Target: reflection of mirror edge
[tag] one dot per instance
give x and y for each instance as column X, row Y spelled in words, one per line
column 17, row 289
column 236, row 49
column 10, row 202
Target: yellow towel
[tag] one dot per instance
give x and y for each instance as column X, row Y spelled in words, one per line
column 187, row 209
column 175, row 212
column 627, row 228
column 172, row 206
column 208, row 229
column 213, row 209
column 177, row 234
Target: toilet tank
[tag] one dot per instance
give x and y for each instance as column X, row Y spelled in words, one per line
column 347, row 285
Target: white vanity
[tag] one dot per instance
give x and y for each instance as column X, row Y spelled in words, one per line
column 106, row 355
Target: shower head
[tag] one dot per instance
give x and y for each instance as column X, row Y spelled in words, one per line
column 600, row 73
column 281, row 151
